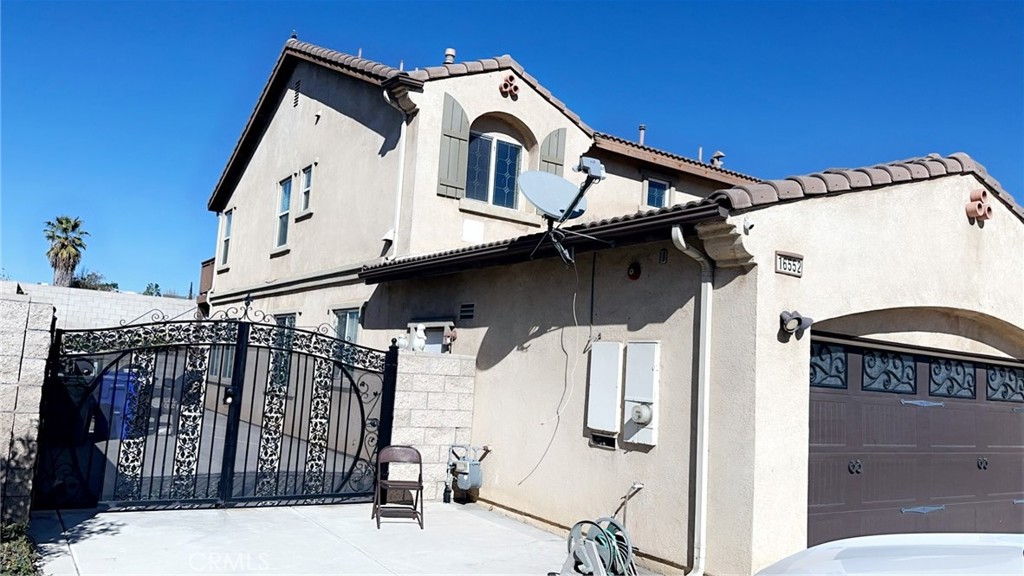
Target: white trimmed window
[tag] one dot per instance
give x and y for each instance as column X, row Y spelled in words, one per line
column 657, row 193
column 225, row 242
column 284, row 201
column 493, row 169
column 307, row 187
column 348, row 324
column 222, row 359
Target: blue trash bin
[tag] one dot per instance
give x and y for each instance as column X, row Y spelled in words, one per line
column 118, row 398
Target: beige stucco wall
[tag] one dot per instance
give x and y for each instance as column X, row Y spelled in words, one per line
column 357, row 144
column 530, row 361
column 908, row 249
column 437, row 223
column 624, row 190
column 354, row 145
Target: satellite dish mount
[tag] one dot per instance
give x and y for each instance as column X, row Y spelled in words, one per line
column 559, row 201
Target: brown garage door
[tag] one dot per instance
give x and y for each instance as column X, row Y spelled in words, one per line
column 909, row 440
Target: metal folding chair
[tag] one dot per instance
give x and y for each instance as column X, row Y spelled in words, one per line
column 398, row 455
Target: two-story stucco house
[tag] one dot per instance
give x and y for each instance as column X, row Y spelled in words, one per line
column 345, row 162
column 759, row 366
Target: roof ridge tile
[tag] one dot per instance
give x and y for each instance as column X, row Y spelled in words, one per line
column 837, row 180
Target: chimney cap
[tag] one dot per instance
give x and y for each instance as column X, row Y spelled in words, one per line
column 449, row 55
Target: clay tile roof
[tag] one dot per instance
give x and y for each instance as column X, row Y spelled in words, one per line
column 602, row 140
column 786, row 189
column 878, row 176
column 917, row 171
column 856, row 178
column 951, row 164
column 834, row 182
column 437, row 72
column 760, row 193
column 367, row 69
column 897, row 172
column 839, row 180
column 934, row 168
column 620, row 228
column 377, row 72
column 810, row 184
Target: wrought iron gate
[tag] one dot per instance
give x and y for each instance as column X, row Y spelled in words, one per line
column 210, row 413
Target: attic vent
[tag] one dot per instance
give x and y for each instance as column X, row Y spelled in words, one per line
column 295, row 98
column 467, row 310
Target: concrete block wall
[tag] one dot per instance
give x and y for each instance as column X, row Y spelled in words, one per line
column 25, row 335
column 433, row 410
column 78, row 308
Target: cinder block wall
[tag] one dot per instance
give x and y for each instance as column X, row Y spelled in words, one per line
column 83, row 309
column 433, row 410
column 25, row 335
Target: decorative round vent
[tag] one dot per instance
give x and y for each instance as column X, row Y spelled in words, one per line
column 508, row 87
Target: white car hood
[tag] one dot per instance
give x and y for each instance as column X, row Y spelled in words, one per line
column 906, row 554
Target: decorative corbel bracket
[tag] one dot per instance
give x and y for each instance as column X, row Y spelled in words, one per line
column 724, row 244
column 398, row 88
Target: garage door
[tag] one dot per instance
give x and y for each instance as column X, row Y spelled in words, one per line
column 913, row 440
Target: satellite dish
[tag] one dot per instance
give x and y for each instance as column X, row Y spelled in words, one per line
column 551, row 194
column 560, row 200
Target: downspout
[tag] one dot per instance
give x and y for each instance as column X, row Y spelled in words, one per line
column 401, row 173
column 700, row 515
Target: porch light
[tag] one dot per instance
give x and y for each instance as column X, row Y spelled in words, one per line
column 793, row 322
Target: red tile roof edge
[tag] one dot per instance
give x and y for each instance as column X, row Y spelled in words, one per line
column 841, row 180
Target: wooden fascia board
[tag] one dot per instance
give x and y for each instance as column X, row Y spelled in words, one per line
column 666, row 162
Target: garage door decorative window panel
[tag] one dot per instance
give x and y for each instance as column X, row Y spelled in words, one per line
column 951, row 378
column 1006, row 384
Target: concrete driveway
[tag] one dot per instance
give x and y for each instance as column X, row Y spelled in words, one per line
column 338, row 539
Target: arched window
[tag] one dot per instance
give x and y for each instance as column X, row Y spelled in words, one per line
column 495, row 160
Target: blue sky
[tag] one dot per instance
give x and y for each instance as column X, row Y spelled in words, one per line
column 124, row 114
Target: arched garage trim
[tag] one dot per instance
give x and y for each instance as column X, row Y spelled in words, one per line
column 934, row 327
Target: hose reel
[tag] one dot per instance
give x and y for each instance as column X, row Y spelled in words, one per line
column 599, row 548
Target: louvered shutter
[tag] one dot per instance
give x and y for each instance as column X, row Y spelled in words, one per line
column 451, row 181
column 552, row 152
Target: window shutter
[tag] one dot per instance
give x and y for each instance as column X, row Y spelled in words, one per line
column 552, row 152
column 451, row 180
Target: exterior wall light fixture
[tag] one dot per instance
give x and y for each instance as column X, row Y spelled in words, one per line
column 793, row 322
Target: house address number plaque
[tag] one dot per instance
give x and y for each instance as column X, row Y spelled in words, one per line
column 789, row 264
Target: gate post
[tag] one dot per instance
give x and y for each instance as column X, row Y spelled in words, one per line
column 387, row 401
column 234, row 393
column 387, row 406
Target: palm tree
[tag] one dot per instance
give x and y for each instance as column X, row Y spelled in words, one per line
column 65, row 236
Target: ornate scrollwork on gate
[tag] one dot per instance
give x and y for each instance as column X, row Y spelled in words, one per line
column 889, row 372
column 269, row 460
column 321, row 345
column 319, row 425
column 951, row 378
column 148, row 336
column 362, row 478
column 1005, row 384
column 133, row 437
column 190, row 422
column 828, row 365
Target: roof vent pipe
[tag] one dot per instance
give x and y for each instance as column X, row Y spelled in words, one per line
column 449, row 55
column 643, row 132
column 716, row 159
